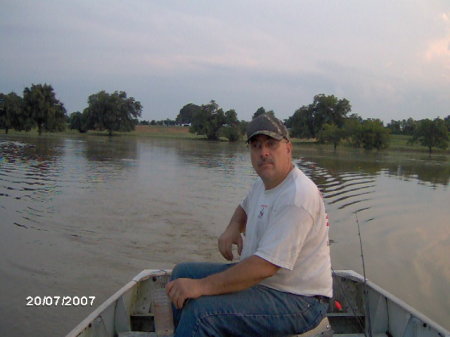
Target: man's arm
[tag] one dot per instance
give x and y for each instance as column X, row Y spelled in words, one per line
column 241, row 276
column 232, row 234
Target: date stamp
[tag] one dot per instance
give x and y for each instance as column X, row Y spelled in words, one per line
column 62, row 301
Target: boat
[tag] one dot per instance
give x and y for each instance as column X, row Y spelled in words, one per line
column 359, row 308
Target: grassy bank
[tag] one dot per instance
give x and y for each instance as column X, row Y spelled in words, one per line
column 163, row 131
column 397, row 142
column 140, row 131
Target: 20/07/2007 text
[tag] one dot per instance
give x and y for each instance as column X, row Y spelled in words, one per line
column 64, row 301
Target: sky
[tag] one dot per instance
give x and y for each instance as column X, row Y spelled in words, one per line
column 390, row 59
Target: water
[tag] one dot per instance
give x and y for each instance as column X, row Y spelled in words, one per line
column 82, row 216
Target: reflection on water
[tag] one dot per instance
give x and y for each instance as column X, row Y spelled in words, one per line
column 116, row 195
column 110, row 150
column 29, row 179
column 345, row 189
column 401, row 203
column 37, row 171
column 433, row 172
column 428, row 170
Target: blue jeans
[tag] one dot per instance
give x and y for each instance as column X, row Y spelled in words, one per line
column 256, row 311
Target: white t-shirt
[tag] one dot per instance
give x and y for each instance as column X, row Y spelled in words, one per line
column 287, row 226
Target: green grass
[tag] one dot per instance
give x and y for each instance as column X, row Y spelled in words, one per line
column 400, row 143
column 152, row 131
column 397, row 142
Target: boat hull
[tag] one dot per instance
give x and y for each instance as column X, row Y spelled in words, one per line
column 358, row 308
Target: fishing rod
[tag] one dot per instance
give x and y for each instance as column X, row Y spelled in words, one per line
column 366, row 292
column 344, row 291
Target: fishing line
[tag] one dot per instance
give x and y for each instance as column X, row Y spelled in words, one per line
column 349, row 304
column 366, row 292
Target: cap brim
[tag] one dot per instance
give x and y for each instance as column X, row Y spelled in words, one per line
column 270, row 134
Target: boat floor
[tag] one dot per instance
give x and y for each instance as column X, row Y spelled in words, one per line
column 322, row 330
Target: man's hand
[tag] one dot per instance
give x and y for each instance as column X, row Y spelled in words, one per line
column 240, row 276
column 181, row 289
column 226, row 241
column 232, row 235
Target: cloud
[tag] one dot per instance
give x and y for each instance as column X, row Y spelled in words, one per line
column 437, row 57
column 438, row 49
column 168, row 53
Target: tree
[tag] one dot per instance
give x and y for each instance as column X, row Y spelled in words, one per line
column 301, row 123
column 243, row 127
column 187, row 112
column 331, row 133
column 47, row 112
column 372, row 134
column 112, row 112
column 261, row 111
column 408, row 126
column 431, row 134
column 352, row 128
column 231, row 129
column 403, row 127
column 6, row 115
column 208, row 121
column 328, row 109
column 169, row 122
column 231, row 118
column 309, row 120
column 233, row 134
column 12, row 115
column 395, row 127
column 78, row 121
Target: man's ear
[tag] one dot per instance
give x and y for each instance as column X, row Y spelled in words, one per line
column 289, row 147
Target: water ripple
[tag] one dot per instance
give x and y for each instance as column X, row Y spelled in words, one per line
column 342, row 189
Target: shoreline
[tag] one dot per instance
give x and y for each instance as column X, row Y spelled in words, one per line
column 398, row 142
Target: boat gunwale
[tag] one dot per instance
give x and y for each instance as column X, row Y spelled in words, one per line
column 142, row 276
column 348, row 274
column 352, row 275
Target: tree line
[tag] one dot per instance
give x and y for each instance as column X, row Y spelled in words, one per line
column 326, row 120
column 40, row 108
column 111, row 112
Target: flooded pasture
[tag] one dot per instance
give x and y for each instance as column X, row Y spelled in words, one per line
column 82, row 216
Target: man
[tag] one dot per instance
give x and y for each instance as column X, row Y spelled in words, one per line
column 282, row 284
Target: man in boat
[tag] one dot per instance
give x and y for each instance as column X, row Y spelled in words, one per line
column 283, row 282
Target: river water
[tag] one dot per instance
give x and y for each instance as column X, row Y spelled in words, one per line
column 82, row 216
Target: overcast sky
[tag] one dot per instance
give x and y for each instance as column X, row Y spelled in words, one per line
column 390, row 59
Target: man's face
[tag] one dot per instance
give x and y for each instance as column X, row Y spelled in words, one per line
column 271, row 159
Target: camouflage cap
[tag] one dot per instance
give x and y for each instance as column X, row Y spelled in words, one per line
column 267, row 124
